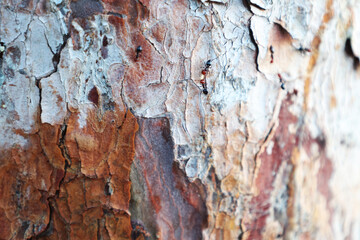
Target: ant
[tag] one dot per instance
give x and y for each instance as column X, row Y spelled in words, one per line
column 303, row 50
column 138, row 51
column 272, row 54
column 203, row 76
column 282, row 82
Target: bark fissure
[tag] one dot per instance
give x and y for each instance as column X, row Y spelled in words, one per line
column 55, row 59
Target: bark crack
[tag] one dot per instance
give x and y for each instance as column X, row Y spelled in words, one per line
column 256, row 5
column 153, row 45
column 252, row 38
column 56, row 57
column 62, row 146
column 55, row 60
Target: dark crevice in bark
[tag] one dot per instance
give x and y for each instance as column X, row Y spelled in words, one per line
column 108, row 189
column 98, row 234
column 252, row 38
column 62, row 145
column 55, row 58
column 124, row 119
column 153, row 45
column 350, row 53
column 2, row 45
column 57, row 55
column 268, row 134
column 246, row 4
column 241, row 231
column 50, row 227
column 116, row 14
column 215, row 2
column 261, row 147
column 37, row 83
column 257, row 6
column 48, row 44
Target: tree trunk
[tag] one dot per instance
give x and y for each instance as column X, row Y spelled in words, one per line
column 108, row 133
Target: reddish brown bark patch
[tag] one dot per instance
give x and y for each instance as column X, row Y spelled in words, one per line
column 180, row 211
column 93, row 96
column 44, row 191
column 284, row 143
column 27, row 180
column 96, row 207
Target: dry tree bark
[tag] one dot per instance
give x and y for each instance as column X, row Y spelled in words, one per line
column 101, row 141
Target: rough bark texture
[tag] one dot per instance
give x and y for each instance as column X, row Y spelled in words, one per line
column 100, row 141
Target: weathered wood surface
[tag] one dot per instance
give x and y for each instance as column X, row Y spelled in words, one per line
column 97, row 143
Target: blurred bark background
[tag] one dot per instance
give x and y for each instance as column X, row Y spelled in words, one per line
column 99, row 143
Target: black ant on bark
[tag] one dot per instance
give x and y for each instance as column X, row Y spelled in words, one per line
column 203, row 76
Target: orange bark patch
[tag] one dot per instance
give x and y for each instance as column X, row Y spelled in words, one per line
column 45, row 191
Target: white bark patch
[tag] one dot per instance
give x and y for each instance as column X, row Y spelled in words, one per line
column 53, row 104
column 39, row 55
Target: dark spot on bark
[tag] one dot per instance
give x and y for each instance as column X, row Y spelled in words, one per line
column 2, row 44
column 104, row 50
column 321, row 141
column 94, row 96
column 350, row 53
column 85, row 8
column 105, row 41
column 108, row 189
